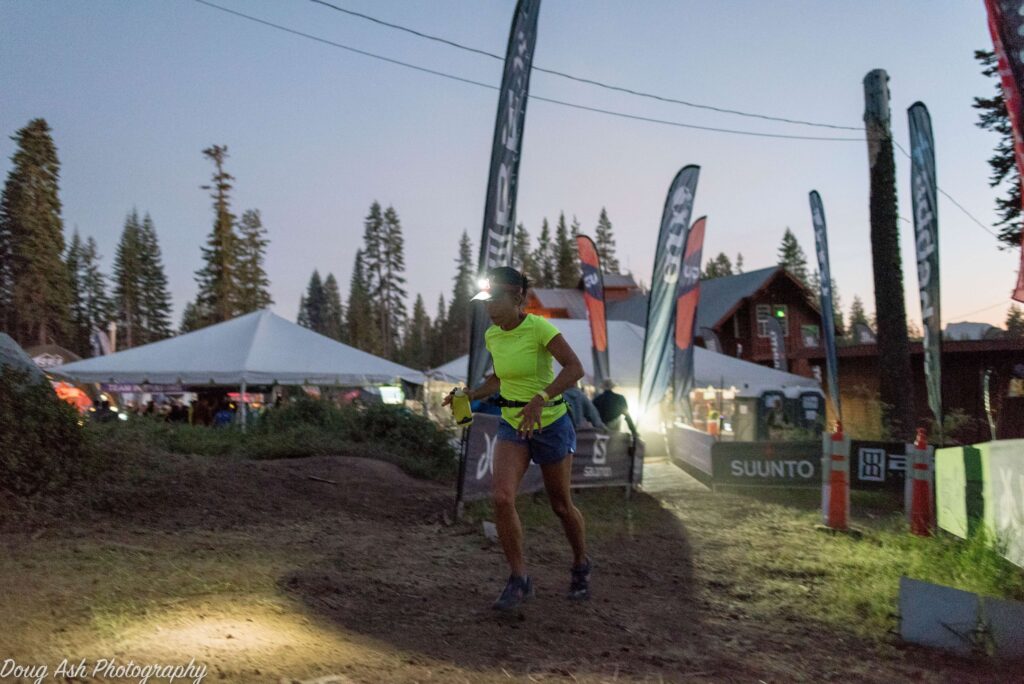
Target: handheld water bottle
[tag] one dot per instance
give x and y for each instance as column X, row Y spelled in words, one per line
column 461, row 409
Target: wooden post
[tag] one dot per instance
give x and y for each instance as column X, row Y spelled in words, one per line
column 890, row 309
column 242, row 405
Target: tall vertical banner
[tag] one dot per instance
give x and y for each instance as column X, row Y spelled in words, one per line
column 827, row 313
column 924, row 189
column 1006, row 24
column 687, row 299
column 593, row 296
column 777, row 340
column 668, row 261
column 499, row 210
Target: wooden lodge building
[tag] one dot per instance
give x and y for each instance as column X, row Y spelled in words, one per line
column 735, row 308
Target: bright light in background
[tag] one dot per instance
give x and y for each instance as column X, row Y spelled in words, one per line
column 391, row 395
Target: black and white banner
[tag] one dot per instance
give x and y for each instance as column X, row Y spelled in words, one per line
column 827, row 311
column 661, row 306
column 926, row 232
column 499, row 210
column 602, row 460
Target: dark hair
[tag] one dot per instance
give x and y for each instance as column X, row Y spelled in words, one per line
column 506, row 275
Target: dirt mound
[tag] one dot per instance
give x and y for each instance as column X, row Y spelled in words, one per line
column 177, row 492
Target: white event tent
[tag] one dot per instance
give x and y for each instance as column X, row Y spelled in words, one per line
column 625, row 352
column 259, row 348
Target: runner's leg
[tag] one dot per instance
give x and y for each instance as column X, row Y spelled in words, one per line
column 557, row 478
column 510, row 463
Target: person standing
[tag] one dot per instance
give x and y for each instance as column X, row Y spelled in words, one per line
column 534, row 426
column 612, row 407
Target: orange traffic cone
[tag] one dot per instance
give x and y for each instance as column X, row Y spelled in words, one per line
column 839, row 481
column 921, row 522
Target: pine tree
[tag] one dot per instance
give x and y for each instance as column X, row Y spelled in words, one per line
column 992, row 116
column 361, row 327
column 1015, row 322
column 35, row 291
column 192, row 318
column 154, row 297
column 373, row 237
column 857, row 315
column 718, row 267
column 316, row 304
column 99, row 309
column 334, row 313
column 522, row 259
column 544, row 257
column 416, row 351
column 218, row 279
column 814, row 295
column 303, row 317
column 78, row 331
column 459, row 310
column 605, row 243
column 739, row 262
column 127, row 283
column 392, row 314
column 253, row 283
column 574, row 230
column 567, row 264
column 792, row 257
column 440, row 343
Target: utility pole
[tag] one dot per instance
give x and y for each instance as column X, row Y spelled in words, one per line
column 896, row 387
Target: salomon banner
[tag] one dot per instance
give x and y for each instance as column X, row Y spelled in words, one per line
column 593, row 295
column 777, row 341
column 687, row 298
column 1006, row 24
column 602, row 459
column 827, row 313
column 499, row 209
column 668, row 258
column 926, row 229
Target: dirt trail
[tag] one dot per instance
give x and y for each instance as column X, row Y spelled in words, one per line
column 264, row 572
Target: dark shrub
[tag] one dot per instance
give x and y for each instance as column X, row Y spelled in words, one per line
column 41, row 442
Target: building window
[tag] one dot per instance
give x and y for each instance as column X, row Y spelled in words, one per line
column 768, row 311
column 811, row 335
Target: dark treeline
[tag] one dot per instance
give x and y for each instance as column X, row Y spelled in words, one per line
column 374, row 316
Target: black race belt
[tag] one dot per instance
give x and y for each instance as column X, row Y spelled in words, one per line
column 508, row 403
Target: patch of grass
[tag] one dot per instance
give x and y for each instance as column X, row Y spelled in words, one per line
column 304, row 428
column 772, row 552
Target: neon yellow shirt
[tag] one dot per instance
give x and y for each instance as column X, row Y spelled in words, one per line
column 523, row 364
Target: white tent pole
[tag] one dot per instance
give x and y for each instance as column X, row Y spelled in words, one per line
column 242, row 399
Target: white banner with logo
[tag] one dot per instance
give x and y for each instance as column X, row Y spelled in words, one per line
column 602, row 460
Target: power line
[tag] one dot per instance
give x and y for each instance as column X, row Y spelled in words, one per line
column 588, row 81
column 563, row 103
column 971, row 313
column 947, row 195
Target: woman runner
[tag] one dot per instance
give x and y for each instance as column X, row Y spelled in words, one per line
column 534, row 426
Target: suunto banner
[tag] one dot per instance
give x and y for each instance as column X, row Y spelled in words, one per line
column 926, row 240
column 777, row 340
column 1006, row 24
column 827, row 313
column 593, row 295
column 499, row 210
column 668, row 261
column 687, row 299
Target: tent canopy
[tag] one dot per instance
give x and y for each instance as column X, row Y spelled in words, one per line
column 259, row 348
column 625, row 352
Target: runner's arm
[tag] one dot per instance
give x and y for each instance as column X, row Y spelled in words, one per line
column 489, row 386
column 572, row 369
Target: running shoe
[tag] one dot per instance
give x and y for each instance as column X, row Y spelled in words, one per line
column 579, row 588
column 517, row 591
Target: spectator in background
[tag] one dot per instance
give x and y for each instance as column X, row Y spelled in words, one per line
column 612, row 407
column 581, row 408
